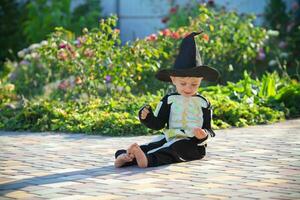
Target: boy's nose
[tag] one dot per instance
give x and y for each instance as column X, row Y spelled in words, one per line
column 188, row 89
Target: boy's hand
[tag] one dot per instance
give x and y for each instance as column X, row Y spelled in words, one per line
column 199, row 133
column 145, row 112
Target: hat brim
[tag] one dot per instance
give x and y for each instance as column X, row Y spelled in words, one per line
column 208, row 73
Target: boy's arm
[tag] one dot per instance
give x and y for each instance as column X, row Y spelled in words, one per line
column 159, row 118
column 206, row 126
column 207, row 118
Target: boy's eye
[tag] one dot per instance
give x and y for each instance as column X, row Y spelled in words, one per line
column 183, row 84
column 194, row 85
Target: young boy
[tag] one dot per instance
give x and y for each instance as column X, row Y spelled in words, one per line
column 184, row 116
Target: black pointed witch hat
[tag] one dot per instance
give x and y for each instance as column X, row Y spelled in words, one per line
column 188, row 63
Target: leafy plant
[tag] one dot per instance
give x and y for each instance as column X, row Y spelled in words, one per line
column 11, row 38
column 290, row 96
column 284, row 51
column 43, row 16
column 231, row 42
column 237, row 104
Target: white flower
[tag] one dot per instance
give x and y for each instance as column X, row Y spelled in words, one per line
column 21, row 54
column 273, row 33
column 34, row 46
column 44, row 43
column 272, row 63
column 120, row 88
column 34, row 55
column 284, row 55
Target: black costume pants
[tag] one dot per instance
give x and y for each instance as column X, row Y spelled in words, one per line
column 161, row 152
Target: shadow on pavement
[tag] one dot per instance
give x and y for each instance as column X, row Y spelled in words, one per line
column 73, row 176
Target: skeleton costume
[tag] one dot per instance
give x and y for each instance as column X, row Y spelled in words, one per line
column 178, row 115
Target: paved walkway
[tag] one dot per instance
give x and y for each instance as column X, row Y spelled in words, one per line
column 261, row 162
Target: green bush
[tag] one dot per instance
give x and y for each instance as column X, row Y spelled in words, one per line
column 248, row 101
column 231, row 42
column 94, row 63
column 290, row 97
column 7, row 94
column 244, row 103
column 11, row 37
column 284, row 51
column 26, row 22
column 92, row 84
column 43, row 16
column 105, row 116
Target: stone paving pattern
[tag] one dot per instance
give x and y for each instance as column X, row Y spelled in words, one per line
column 259, row 162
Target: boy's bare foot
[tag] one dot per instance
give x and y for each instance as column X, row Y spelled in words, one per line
column 131, row 148
column 139, row 155
column 122, row 159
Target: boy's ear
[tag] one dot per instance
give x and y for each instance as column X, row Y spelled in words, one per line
column 172, row 79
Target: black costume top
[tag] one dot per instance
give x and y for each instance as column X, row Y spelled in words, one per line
column 178, row 115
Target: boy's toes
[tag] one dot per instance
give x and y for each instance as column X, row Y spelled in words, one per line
column 131, row 148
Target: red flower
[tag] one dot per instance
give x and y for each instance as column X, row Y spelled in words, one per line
column 78, row 80
column 62, row 45
column 175, row 35
column 174, row 9
column 205, row 37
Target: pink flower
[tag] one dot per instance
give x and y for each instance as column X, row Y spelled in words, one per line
column 166, row 32
column 81, row 39
column 107, row 78
column 261, row 54
column 24, row 62
column 151, row 37
column 282, row 44
column 63, row 85
column 62, row 45
column 88, row 53
column 62, row 55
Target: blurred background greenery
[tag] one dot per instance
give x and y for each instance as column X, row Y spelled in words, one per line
column 65, row 69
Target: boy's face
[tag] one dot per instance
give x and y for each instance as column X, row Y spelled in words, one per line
column 186, row 86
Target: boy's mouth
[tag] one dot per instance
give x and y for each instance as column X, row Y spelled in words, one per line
column 187, row 93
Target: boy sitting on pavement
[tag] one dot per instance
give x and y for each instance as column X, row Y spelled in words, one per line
column 185, row 115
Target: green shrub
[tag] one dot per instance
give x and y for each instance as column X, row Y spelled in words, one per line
column 105, row 116
column 43, row 16
column 290, row 97
column 94, row 63
column 237, row 104
column 11, row 38
column 7, row 93
column 232, row 43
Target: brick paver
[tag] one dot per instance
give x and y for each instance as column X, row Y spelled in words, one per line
column 260, row 162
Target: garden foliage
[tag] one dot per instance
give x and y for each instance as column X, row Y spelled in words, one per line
column 25, row 22
column 93, row 84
